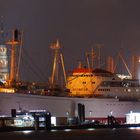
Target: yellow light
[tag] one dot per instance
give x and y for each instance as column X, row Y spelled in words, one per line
column 7, row 90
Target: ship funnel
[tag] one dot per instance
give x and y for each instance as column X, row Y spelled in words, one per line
column 110, row 64
column 16, row 35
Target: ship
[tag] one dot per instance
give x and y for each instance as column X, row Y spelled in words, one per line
column 100, row 83
column 89, row 94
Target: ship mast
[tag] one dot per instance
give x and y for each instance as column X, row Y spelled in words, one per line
column 13, row 66
column 1, row 31
column 58, row 59
column 99, row 55
column 90, row 59
column 124, row 62
column 19, row 57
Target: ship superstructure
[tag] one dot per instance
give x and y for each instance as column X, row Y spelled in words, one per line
column 101, row 83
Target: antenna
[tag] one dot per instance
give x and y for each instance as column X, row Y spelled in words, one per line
column 99, row 54
column 90, row 58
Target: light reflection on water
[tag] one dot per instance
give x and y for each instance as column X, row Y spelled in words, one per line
column 91, row 129
column 113, row 129
column 134, row 128
column 81, row 134
column 27, row 131
column 67, row 130
column 53, row 130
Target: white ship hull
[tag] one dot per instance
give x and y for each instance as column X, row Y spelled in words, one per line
column 64, row 107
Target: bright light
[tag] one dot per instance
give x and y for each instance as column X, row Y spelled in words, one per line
column 3, row 116
column 28, row 117
column 91, row 129
column 27, row 131
column 67, row 113
column 67, row 130
column 90, row 113
column 37, row 110
column 122, row 76
column 134, row 128
column 53, row 121
column 111, row 112
column 53, row 130
column 133, row 118
column 7, row 90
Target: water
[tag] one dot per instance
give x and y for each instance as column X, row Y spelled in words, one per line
column 84, row 134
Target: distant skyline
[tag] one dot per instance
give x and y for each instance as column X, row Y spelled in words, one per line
column 78, row 24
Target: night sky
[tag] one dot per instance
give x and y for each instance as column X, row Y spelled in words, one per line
column 78, row 24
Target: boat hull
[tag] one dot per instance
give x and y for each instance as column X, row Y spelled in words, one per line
column 67, row 107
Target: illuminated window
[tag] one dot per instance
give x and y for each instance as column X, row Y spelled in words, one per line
column 125, row 90
column 137, row 90
column 129, row 90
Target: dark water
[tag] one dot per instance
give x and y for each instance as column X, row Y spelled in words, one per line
column 85, row 134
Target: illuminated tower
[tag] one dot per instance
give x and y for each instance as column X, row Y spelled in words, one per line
column 3, row 63
column 4, row 74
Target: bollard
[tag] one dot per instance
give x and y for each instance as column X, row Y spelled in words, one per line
column 48, row 121
column 81, row 112
column 13, row 113
column 36, row 122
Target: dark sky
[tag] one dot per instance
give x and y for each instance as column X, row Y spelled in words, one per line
column 78, row 24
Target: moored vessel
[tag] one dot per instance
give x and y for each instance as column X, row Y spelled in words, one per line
column 92, row 94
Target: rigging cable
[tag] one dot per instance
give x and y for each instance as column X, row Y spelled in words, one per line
column 36, row 70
